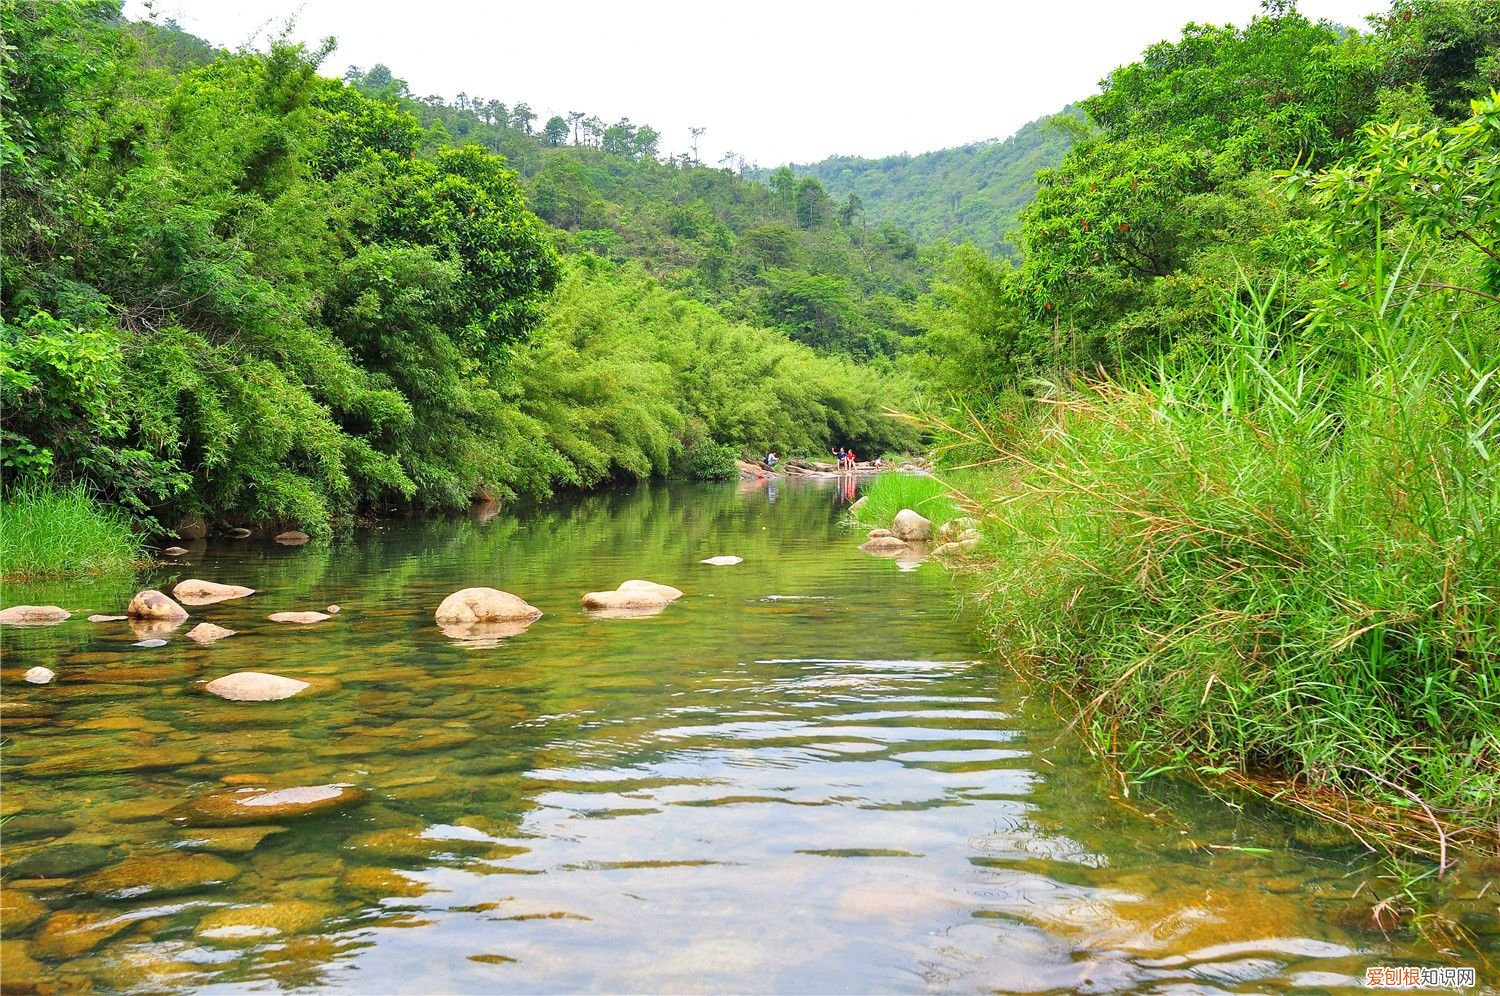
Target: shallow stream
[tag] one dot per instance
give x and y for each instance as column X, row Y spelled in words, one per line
column 798, row 778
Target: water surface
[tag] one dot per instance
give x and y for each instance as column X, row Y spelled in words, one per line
column 802, row 777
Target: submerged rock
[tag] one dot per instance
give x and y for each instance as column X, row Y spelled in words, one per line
column 102, row 619
column 909, row 525
column 33, row 615
column 164, row 873
column 208, row 633
column 58, row 861
column 152, row 604
column 155, row 641
column 304, row 618
column 255, row 686
column 228, row 840
column 40, row 675
column 69, row 934
column 112, row 759
column 194, row 591
column 333, row 610
column 479, row 605
column 257, row 805
column 18, row 911
column 238, row 532
column 722, row 561
column 292, row 537
column 885, row 546
column 239, row 925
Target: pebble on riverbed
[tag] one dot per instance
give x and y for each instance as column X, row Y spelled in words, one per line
column 723, row 561
column 40, row 675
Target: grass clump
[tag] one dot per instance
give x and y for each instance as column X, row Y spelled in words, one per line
column 888, row 493
column 1277, row 554
column 63, row 532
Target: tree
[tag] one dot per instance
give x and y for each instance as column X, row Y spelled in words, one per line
column 575, row 118
column 697, row 133
column 555, row 131
column 521, row 117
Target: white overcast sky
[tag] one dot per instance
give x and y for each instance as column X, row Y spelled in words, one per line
column 773, row 80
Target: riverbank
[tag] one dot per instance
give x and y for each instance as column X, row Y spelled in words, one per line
column 1233, row 576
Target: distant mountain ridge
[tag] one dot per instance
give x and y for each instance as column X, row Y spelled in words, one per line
column 972, row 192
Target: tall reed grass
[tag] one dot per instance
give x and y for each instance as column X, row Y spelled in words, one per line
column 63, row 532
column 1277, row 553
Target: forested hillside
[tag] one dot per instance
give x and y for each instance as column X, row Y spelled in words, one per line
column 972, row 193
column 238, row 289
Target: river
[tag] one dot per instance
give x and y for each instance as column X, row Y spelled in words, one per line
column 801, row 777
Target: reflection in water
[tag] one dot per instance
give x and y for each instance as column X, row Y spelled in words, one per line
column 795, row 778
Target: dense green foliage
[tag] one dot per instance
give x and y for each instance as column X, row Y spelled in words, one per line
column 62, row 533
column 235, row 288
column 1241, row 402
column 973, row 193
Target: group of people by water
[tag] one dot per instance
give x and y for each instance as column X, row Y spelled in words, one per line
column 845, row 458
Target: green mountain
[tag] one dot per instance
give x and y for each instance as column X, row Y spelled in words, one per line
column 970, row 193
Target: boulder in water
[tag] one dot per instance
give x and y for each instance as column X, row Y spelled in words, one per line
column 304, row 618
column 628, row 600
column 877, row 533
column 152, row 604
column 207, row 633
column 102, row 618
column 910, row 526
column 333, row 610
column 174, row 551
column 196, row 592
column 485, row 605
column 723, row 561
column 33, row 615
column 664, row 590
column 254, row 686
column 259, row 805
column 956, row 528
column 292, row 537
column 40, row 675
column 192, row 529
column 885, row 546
column 859, row 504
column 239, row 532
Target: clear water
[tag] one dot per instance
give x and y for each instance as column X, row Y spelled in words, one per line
column 799, row 778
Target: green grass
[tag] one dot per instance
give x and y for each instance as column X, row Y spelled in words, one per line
column 1276, row 554
column 888, row 493
column 63, row 533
